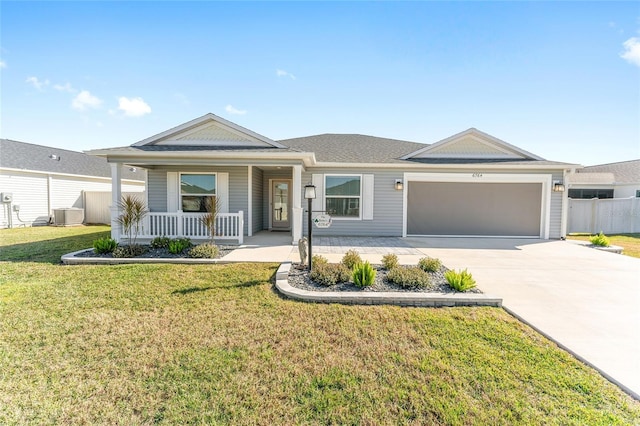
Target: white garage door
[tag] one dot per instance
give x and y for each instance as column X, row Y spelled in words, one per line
column 474, row 209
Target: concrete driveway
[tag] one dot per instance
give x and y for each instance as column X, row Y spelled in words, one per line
column 586, row 300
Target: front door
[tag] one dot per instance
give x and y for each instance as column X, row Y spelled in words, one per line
column 280, row 206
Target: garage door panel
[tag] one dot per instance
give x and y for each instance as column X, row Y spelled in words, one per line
column 478, row 209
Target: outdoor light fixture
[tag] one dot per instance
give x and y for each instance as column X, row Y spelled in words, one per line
column 558, row 186
column 310, row 195
column 399, row 185
column 309, row 191
column 133, row 169
column 54, row 157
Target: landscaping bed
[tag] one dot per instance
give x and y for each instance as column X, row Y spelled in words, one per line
column 154, row 253
column 299, row 278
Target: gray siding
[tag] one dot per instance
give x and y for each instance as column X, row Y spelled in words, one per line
column 238, row 187
column 387, row 208
column 388, row 214
column 555, row 215
column 257, row 199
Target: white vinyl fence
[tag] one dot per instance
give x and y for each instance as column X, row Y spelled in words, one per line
column 97, row 205
column 611, row 216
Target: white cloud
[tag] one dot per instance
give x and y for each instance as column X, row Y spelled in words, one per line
column 85, row 100
column 632, row 51
column 64, row 88
column 231, row 110
column 134, row 107
column 3, row 64
column 283, row 73
column 35, row 82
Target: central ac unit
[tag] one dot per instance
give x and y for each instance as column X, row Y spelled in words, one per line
column 68, row 216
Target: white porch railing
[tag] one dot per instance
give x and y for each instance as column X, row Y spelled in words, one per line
column 229, row 226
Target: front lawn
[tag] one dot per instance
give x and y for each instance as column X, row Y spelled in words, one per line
column 215, row 344
column 630, row 243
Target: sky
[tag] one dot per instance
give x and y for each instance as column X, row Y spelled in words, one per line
column 559, row 79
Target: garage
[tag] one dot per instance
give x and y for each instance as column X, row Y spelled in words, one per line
column 505, row 209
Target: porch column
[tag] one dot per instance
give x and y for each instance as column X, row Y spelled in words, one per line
column 296, row 225
column 116, row 196
column 249, row 201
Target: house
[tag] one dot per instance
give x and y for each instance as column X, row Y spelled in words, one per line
column 613, row 180
column 470, row 184
column 36, row 180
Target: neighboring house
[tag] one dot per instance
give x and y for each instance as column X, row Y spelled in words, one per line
column 613, row 180
column 470, row 184
column 35, row 180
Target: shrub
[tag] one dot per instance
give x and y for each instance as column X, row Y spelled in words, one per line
column 204, row 251
column 411, row 277
column 460, row 281
column 179, row 245
column 132, row 250
column 133, row 211
column 329, row 273
column 429, row 264
column 363, row 275
column 351, row 259
column 104, row 245
column 160, row 242
column 600, row 240
column 389, row 261
column 319, row 260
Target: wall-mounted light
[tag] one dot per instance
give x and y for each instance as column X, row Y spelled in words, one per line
column 54, row 157
column 558, row 186
column 399, row 185
column 133, row 169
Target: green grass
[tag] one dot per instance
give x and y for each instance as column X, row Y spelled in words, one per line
column 215, row 344
column 630, row 243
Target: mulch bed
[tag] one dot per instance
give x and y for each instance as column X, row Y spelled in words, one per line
column 299, row 278
column 157, row 253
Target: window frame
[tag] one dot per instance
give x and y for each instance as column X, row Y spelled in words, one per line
column 180, row 194
column 359, row 197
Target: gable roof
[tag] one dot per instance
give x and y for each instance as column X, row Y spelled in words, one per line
column 353, row 148
column 31, row 157
column 472, row 144
column 209, row 130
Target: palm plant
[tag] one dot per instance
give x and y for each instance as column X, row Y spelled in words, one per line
column 209, row 219
column 133, row 211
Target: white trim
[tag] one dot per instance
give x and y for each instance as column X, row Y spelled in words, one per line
column 477, row 134
column 544, row 179
column 249, row 200
column 289, row 207
column 206, row 119
column 324, row 195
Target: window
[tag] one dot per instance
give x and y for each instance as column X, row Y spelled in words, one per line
column 587, row 194
column 638, row 194
column 197, row 192
column 343, row 196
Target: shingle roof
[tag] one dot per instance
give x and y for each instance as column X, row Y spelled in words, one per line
column 27, row 156
column 350, row 148
column 624, row 171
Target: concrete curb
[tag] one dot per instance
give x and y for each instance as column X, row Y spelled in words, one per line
column 71, row 259
column 381, row 298
column 583, row 360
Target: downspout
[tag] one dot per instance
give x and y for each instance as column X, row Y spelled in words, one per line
column 49, row 185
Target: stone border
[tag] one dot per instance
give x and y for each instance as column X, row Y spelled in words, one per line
column 382, row 297
column 71, row 259
column 609, row 249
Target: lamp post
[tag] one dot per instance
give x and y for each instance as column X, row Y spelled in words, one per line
column 310, row 195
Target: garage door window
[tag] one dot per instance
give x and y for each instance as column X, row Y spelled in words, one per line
column 343, row 196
